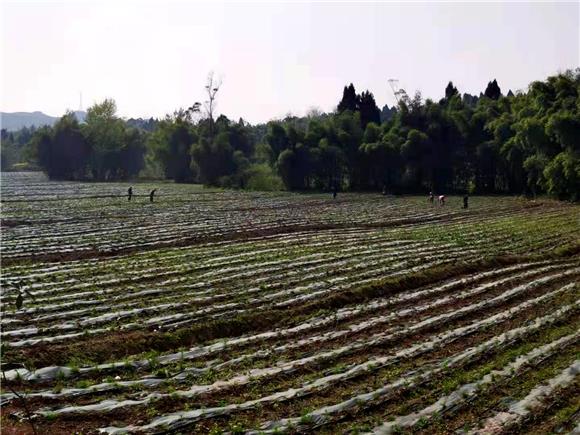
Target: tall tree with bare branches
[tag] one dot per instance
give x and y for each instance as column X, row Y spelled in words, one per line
column 212, row 87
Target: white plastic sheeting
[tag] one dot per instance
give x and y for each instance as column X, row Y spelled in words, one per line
column 339, row 316
column 534, row 401
column 463, row 393
column 181, row 419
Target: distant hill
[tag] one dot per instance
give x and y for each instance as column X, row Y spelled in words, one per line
column 16, row 120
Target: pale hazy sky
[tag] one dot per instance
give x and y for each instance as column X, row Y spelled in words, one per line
column 152, row 57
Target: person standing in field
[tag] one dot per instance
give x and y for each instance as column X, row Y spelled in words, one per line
column 465, row 201
column 130, row 193
column 152, row 194
column 431, row 197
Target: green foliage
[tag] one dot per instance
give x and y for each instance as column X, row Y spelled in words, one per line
column 450, row 91
column 288, row 169
column 50, row 416
column 349, row 99
column 364, row 104
column 564, row 127
column 225, row 159
column 262, row 177
column 102, row 148
column 277, row 140
column 534, row 166
column 213, row 160
column 63, row 151
column 15, row 149
column 170, row 144
column 104, row 131
column 521, row 144
column 563, row 176
column 492, row 91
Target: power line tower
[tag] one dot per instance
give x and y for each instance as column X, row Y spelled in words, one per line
column 399, row 93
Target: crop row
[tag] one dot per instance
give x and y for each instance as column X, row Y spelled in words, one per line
column 105, row 225
column 261, row 284
column 362, row 342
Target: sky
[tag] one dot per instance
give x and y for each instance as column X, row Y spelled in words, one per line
column 153, row 57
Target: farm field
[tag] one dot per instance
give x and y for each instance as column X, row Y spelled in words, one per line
column 216, row 311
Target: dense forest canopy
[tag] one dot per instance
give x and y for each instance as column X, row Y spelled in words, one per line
column 523, row 143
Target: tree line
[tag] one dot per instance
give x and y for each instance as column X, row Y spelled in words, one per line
column 14, row 149
column 522, row 143
column 103, row 148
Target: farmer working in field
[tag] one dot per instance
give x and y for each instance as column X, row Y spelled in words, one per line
column 465, row 200
column 431, row 197
column 130, row 192
column 151, row 195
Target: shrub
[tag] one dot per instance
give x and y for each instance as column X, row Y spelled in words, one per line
column 261, row 177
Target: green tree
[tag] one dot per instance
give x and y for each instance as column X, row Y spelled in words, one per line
column 287, row 168
column 349, row 101
column 213, row 160
column 132, row 154
column 277, row 139
column 564, row 128
column 450, row 91
column 369, row 111
column 562, row 176
column 492, row 90
column 171, row 143
column 63, row 152
column 105, row 133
